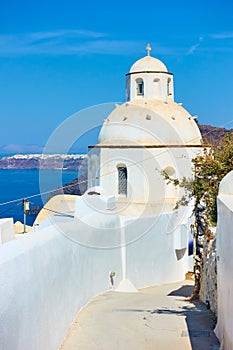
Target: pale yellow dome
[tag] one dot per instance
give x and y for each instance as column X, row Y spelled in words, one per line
column 150, row 123
column 148, row 64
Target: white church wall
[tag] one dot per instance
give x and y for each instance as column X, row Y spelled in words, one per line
column 224, row 244
column 155, row 161
column 133, row 160
column 144, row 166
column 155, row 86
column 93, row 166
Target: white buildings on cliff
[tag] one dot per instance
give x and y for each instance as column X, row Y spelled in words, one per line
column 123, row 226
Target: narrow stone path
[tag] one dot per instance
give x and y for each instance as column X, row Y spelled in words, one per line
column 157, row 317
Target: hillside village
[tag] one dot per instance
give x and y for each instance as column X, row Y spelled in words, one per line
column 43, row 161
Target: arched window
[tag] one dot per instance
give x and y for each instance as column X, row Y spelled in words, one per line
column 139, row 86
column 122, row 179
column 169, row 86
column 157, row 87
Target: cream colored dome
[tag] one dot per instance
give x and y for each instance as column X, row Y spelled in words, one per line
column 148, row 63
column 150, row 122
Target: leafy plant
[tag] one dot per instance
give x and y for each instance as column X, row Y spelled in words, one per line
column 209, row 170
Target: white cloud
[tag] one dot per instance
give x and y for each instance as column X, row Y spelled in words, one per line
column 78, row 33
column 222, row 36
column 54, row 42
column 74, row 42
column 194, row 47
column 109, row 47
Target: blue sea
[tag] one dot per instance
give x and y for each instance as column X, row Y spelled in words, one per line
column 17, row 184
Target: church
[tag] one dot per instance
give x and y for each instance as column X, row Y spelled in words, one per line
column 122, row 233
column 147, row 135
column 141, row 139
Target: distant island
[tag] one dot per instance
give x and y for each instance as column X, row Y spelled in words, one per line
column 44, row 161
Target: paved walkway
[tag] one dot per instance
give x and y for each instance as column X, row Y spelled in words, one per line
column 158, row 318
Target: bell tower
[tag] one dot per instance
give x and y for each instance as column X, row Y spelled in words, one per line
column 149, row 79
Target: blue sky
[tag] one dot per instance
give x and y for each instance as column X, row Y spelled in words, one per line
column 57, row 57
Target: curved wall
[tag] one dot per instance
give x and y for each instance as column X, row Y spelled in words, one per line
column 45, row 278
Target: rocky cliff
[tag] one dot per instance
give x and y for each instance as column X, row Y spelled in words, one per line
column 76, row 187
column 213, row 135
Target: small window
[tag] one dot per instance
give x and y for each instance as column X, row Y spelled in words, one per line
column 156, row 80
column 169, row 87
column 122, row 180
column 140, row 86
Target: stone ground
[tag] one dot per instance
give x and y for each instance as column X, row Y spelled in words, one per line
column 159, row 317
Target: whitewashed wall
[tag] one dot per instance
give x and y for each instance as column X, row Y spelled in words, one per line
column 144, row 166
column 225, row 262
column 155, row 86
column 45, row 277
column 152, row 257
column 44, row 280
column 6, row 230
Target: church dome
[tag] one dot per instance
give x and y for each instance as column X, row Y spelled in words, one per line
column 148, row 63
column 150, row 122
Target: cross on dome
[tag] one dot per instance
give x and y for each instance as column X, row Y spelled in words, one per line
column 148, row 49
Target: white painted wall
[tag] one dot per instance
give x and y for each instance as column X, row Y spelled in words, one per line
column 144, row 166
column 93, row 166
column 155, row 86
column 6, row 230
column 48, row 275
column 225, row 262
column 45, row 279
column 151, row 252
